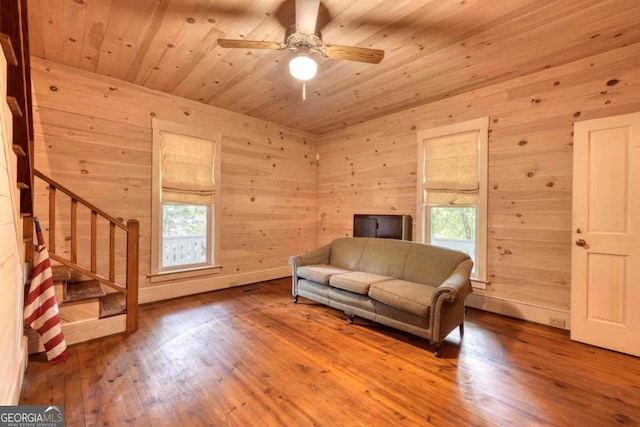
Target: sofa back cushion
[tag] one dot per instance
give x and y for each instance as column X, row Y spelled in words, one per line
column 385, row 257
column 431, row 265
column 415, row 262
column 346, row 252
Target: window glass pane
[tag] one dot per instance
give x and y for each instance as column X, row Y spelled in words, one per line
column 454, row 228
column 184, row 234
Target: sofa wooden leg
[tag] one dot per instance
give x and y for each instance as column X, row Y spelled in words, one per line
column 461, row 330
column 295, row 299
column 351, row 318
column 437, row 349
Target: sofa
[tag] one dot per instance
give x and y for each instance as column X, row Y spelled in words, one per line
column 414, row 287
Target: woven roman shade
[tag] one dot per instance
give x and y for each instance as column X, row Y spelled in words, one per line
column 451, row 169
column 186, row 165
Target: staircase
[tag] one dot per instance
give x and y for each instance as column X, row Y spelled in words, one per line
column 96, row 290
column 94, row 300
column 87, row 310
column 85, row 299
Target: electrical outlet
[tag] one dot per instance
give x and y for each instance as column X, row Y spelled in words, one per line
column 558, row 323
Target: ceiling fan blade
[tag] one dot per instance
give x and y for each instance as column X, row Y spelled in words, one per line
column 351, row 53
column 250, row 44
column 307, row 15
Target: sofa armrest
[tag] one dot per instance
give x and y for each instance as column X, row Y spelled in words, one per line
column 458, row 284
column 316, row 256
column 447, row 302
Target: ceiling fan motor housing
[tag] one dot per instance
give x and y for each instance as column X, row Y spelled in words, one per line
column 295, row 39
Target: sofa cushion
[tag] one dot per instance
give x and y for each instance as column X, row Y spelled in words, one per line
column 408, row 296
column 319, row 272
column 347, row 301
column 385, row 256
column 309, row 287
column 356, row 281
column 431, row 265
column 346, row 252
column 392, row 316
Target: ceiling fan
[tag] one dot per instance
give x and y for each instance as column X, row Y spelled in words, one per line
column 304, row 40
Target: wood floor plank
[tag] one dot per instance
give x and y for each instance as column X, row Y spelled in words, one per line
column 249, row 356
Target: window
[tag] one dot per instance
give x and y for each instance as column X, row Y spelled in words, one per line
column 184, row 235
column 186, row 165
column 452, row 190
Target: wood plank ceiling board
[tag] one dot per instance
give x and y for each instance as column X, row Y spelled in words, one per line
column 127, row 25
column 51, row 19
column 73, row 20
column 96, row 16
column 433, row 49
column 36, row 43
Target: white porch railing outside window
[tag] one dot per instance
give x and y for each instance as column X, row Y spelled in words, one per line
column 462, row 245
column 184, row 250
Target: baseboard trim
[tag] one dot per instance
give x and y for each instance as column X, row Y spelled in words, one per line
column 183, row 287
column 81, row 331
column 520, row 310
column 14, row 391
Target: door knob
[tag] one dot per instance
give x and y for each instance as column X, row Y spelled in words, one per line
column 581, row 242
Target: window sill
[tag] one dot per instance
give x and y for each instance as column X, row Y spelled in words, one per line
column 479, row 284
column 167, row 276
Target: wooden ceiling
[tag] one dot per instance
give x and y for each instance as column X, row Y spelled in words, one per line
column 433, row 49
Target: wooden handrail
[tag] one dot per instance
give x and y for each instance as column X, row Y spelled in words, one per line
column 73, row 195
column 95, row 276
column 130, row 290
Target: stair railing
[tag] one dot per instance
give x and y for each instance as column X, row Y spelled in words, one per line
column 131, row 228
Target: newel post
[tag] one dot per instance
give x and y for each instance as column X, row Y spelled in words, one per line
column 132, row 274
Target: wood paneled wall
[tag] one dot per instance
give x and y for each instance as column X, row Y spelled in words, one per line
column 371, row 168
column 93, row 135
column 12, row 362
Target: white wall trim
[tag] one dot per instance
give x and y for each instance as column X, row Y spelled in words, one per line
column 423, row 208
column 15, row 384
column 520, row 310
column 214, row 211
column 81, row 331
column 178, row 288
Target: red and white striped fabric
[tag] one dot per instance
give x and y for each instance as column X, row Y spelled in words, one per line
column 41, row 311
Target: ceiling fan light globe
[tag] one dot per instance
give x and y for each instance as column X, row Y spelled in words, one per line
column 302, row 67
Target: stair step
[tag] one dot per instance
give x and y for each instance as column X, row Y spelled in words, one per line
column 61, row 273
column 112, row 304
column 80, row 310
column 86, row 289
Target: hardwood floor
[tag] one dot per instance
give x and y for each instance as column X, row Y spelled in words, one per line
column 248, row 356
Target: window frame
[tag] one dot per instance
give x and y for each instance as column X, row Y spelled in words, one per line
column 213, row 212
column 423, row 222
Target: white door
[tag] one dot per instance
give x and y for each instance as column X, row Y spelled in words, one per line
column 605, row 271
